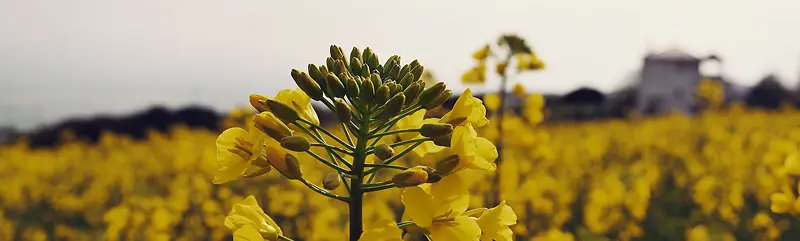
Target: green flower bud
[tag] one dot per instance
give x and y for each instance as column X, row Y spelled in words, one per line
column 316, row 74
column 282, row 111
column 403, row 71
column 366, row 54
column 417, row 71
column 393, row 107
column 293, row 171
column 411, row 177
column 407, row 80
column 336, row 52
column 431, row 93
column 355, row 53
column 307, row 84
column 376, row 81
column 411, row 93
column 324, row 70
column 439, row 100
column 373, row 62
column 392, row 87
column 352, row 87
column 414, row 64
column 397, row 89
column 343, row 110
column 434, row 130
column 335, row 86
column 295, row 143
column 384, row 151
column 443, row 141
column 395, row 58
column 341, row 68
column 331, row 181
column 387, row 69
column 382, row 95
column 364, row 71
column 395, row 70
column 355, row 66
column 367, row 93
column 331, row 63
column 272, row 125
column 446, row 165
column 433, row 174
column 259, row 102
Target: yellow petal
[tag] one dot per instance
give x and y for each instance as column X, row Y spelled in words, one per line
column 462, row 229
column 382, row 230
column 450, row 195
column 247, row 233
column 419, row 206
column 231, row 166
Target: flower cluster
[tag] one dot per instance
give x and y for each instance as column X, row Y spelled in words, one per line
column 372, row 101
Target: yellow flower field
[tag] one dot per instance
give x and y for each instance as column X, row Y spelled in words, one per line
column 708, row 177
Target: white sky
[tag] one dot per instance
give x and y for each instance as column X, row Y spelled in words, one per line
column 81, row 57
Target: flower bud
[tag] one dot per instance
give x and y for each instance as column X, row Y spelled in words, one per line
column 331, row 181
column 443, row 140
column 259, row 102
column 343, row 110
column 366, row 55
column 355, row 53
column 336, row 52
column 407, row 80
column 431, row 93
column 411, row 177
column 351, row 85
column 392, row 87
column 293, row 171
column 271, row 125
column 403, row 72
column 307, row 84
column 434, row 130
column 331, row 63
column 367, row 92
column 414, row 64
column 335, row 86
column 377, row 82
column 393, row 107
column 364, row 70
column 283, row 111
column 317, row 75
column 355, row 66
column 295, row 143
column 258, row 172
column 417, row 71
column 411, row 93
column 394, row 71
column 382, row 95
column 446, row 165
column 384, row 151
column 341, row 68
column 397, row 89
column 372, row 61
column 501, row 69
column 439, row 100
column 285, row 163
column 433, row 174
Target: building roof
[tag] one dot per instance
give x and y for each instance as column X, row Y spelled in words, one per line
column 672, row 54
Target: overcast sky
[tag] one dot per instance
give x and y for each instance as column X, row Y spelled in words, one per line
column 82, row 57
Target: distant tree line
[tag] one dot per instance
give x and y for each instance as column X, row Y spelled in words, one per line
column 579, row 105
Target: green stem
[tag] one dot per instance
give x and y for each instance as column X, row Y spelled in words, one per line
column 378, row 186
column 331, row 147
column 323, row 191
column 332, row 136
column 404, row 224
column 394, row 132
column 328, row 163
column 381, row 165
column 395, row 157
column 347, row 133
column 356, row 189
column 284, row 238
column 391, row 123
column 318, row 138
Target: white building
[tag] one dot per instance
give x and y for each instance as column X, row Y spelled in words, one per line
column 668, row 83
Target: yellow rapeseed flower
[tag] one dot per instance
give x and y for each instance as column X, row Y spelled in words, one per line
column 382, row 230
column 438, row 207
column 492, row 101
column 482, row 53
column 473, row 152
column 300, row 102
column 236, row 150
column 495, row 223
column 467, row 109
column 249, row 222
